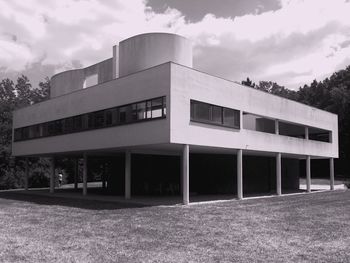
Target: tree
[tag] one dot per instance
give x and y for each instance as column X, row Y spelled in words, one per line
column 14, row 96
column 274, row 88
column 248, row 83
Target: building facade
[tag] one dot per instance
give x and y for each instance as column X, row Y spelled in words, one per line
column 165, row 127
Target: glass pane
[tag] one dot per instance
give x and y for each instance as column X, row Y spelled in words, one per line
column 68, row 125
column 18, row 134
column 157, row 108
column 229, row 117
column 149, row 110
column 90, row 120
column 45, row 129
column 51, row 128
column 164, row 106
column 99, row 119
column 201, row 111
column 122, row 115
column 25, row 133
column 109, row 118
column 36, row 131
column 31, row 132
column 59, row 127
column 237, row 119
column 78, row 123
column 141, row 110
column 134, row 112
column 216, row 114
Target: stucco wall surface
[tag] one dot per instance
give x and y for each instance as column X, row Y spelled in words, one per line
column 72, row 80
column 187, row 84
column 151, row 83
column 148, row 50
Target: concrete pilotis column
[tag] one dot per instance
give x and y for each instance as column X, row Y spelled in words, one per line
column 278, row 173
column 308, row 174
column 277, row 127
column 104, row 181
column 185, row 175
column 306, row 133
column 26, row 174
column 85, row 171
column 331, row 171
column 127, row 174
column 240, row 174
column 76, row 173
column 52, row 175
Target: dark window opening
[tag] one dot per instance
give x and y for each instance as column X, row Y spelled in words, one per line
column 134, row 112
column 213, row 114
column 320, row 135
column 258, row 123
column 99, row 119
column 68, row 125
column 122, row 115
column 78, row 123
column 291, row 130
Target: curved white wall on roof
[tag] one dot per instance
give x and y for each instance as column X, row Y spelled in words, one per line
column 72, row 80
column 148, row 50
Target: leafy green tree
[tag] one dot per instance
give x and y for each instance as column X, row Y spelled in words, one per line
column 274, row 88
column 248, row 83
column 14, row 96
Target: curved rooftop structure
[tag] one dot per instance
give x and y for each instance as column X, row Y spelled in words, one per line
column 147, row 50
column 133, row 54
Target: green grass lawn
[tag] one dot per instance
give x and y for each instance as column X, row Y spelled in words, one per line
column 301, row 228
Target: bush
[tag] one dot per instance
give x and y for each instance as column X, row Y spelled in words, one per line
column 10, row 179
column 38, row 179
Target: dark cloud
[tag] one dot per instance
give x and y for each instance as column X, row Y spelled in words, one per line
column 195, row 10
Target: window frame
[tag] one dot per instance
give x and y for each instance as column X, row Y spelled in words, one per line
column 211, row 122
column 87, row 121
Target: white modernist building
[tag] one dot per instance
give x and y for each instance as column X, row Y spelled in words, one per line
column 167, row 128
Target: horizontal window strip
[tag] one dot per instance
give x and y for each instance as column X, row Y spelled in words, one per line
column 214, row 114
column 146, row 110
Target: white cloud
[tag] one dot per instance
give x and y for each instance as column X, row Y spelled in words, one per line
column 303, row 40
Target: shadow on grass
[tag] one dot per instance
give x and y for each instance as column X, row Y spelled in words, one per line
column 68, row 201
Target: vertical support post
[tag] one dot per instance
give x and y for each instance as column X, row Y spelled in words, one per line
column 278, row 173
column 308, row 174
column 52, row 175
column 240, row 174
column 277, row 127
column 85, row 174
column 103, row 176
column 331, row 171
column 76, row 172
column 26, row 174
column 241, row 119
column 306, row 133
column 115, row 73
column 127, row 174
column 185, row 175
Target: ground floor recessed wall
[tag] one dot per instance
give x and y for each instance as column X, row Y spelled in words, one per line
column 209, row 174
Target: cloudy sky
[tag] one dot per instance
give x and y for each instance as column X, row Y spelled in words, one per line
column 291, row 42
